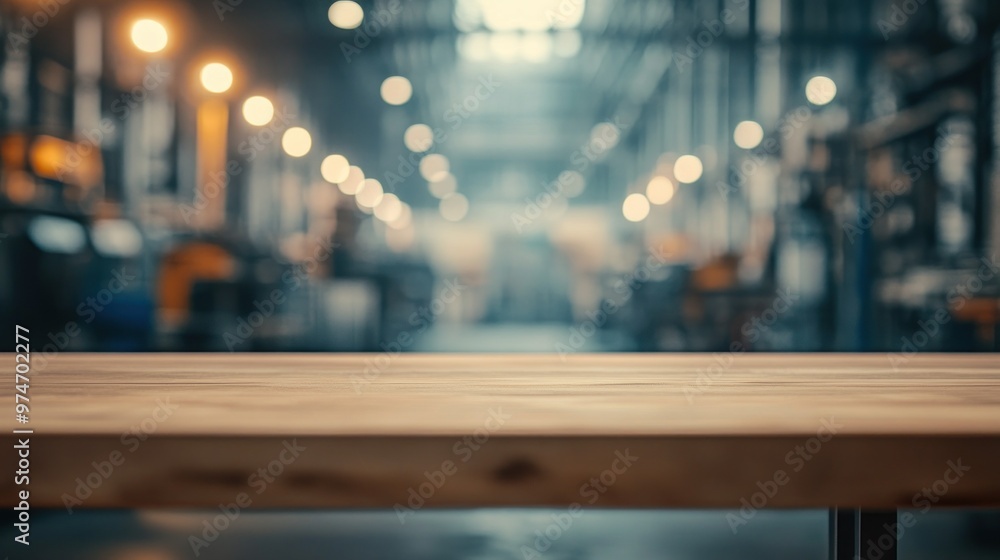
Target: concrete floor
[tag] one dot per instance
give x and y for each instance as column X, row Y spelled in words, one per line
column 476, row 535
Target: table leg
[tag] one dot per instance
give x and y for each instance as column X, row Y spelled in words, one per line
column 863, row 534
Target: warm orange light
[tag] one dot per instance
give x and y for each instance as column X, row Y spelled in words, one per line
column 66, row 162
column 149, row 35
column 216, row 77
column 258, row 110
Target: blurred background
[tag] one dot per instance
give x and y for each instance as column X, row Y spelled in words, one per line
column 499, row 175
column 473, row 175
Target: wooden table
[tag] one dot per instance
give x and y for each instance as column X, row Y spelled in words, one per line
column 612, row 430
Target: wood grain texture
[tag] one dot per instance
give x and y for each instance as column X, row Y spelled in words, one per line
column 708, row 430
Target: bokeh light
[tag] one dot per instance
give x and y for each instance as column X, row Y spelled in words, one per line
column 258, row 110
column 389, row 208
column 434, row 167
column 296, row 141
column 335, row 168
column 820, row 90
column 346, row 14
column 352, row 184
column 370, row 194
column 635, row 208
column 149, row 35
column 748, row 135
column 216, row 77
column 688, row 169
column 418, row 138
column 404, row 219
column 396, row 90
column 660, row 190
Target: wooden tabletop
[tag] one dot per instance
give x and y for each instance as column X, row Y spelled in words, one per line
column 470, row 430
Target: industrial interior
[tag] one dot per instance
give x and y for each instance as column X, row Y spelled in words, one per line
column 558, row 176
column 581, row 175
